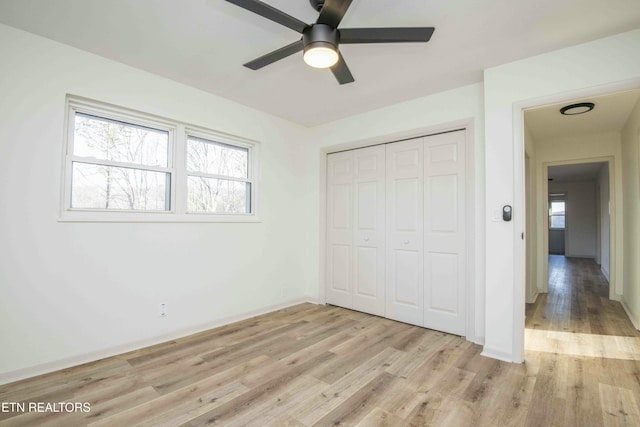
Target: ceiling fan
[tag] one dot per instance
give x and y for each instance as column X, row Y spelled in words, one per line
column 320, row 40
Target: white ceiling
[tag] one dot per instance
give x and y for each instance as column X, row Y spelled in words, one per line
column 203, row 43
column 609, row 114
column 575, row 172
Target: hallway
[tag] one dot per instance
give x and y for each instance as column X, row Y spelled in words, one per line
column 583, row 350
column 578, row 301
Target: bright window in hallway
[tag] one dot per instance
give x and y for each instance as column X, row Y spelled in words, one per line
column 556, row 213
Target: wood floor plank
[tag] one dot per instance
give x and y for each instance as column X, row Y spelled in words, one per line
column 322, row 365
column 279, row 403
column 244, row 402
column 583, row 405
column 426, row 410
column 619, row 406
column 119, row 403
column 197, row 396
column 379, row 418
column 310, row 412
column 358, row 405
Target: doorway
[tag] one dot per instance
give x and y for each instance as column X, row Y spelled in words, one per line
column 557, row 223
column 578, row 215
column 576, row 209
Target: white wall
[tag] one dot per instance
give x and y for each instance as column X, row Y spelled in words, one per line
column 631, row 170
column 76, row 291
column 442, row 111
column 595, row 67
column 580, row 198
column 604, row 238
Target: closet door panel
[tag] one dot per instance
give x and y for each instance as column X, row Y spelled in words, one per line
column 339, row 229
column 404, row 296
column 444, row 233
column 369, row 236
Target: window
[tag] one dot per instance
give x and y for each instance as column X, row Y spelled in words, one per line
column 121, row 165
column 556, row 213
column 217, row 177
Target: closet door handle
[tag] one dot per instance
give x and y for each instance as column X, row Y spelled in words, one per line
column 406, row 242
column 366, row 239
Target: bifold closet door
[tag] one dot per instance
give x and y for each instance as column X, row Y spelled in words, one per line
column 339, row 229
column 405, row 292
column 355, row 225
column 444, row 232
column 396, row 227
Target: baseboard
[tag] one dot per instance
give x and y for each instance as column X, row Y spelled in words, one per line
column 532, row 299
column 496, row 354
column 580, row 256
column 605, row 273
column 478, row 341
column 65, row 363
column 634, row 319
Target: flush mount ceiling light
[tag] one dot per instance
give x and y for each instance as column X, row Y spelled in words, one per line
column 573, row 109
column 320, row 56
column 320, row 46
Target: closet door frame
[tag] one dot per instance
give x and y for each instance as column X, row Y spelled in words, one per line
column 474, row 281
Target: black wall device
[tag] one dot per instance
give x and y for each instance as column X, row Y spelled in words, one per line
column 506, row 213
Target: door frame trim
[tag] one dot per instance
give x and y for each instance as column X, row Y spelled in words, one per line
column 614, row 204
column 519, row 261
column 473, row 308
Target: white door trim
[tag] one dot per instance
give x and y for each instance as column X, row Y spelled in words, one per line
column 615, row 204
column 518, row 200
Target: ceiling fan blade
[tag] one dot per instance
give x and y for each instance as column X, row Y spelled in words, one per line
column 333, row 11
column 341, row 71
column 276, row 55
column 271, row 13
column 385, row 35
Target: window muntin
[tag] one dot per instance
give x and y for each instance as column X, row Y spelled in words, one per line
column 117, row 141
column 126, row 166
column 215, row 158
column 97, row 186
column 218, row 195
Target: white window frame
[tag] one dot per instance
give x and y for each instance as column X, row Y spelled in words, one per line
column 558, row 198
column 176, row 167
column 192, row 131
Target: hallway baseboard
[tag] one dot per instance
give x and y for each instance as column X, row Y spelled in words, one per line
column 632, row 316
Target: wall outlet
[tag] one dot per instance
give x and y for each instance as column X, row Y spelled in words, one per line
column 162, row 309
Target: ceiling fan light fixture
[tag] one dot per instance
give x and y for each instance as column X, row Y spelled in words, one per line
column 580, row 108
column 320, row 43
column 320, row 55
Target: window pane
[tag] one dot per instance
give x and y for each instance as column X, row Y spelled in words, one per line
column 118, row 141
column 216, row 158
column 108, row 187
column 218, row 195
column 557, row 208
column 557, row 221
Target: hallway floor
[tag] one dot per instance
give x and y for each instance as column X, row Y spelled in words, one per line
column 583, row 350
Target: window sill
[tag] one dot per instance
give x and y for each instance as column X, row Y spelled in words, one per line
column 156, row 217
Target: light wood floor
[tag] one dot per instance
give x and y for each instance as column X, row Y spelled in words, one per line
column 322, row 365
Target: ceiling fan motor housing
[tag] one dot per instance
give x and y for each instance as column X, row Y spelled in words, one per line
column 317, row 4
column 320, row 35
